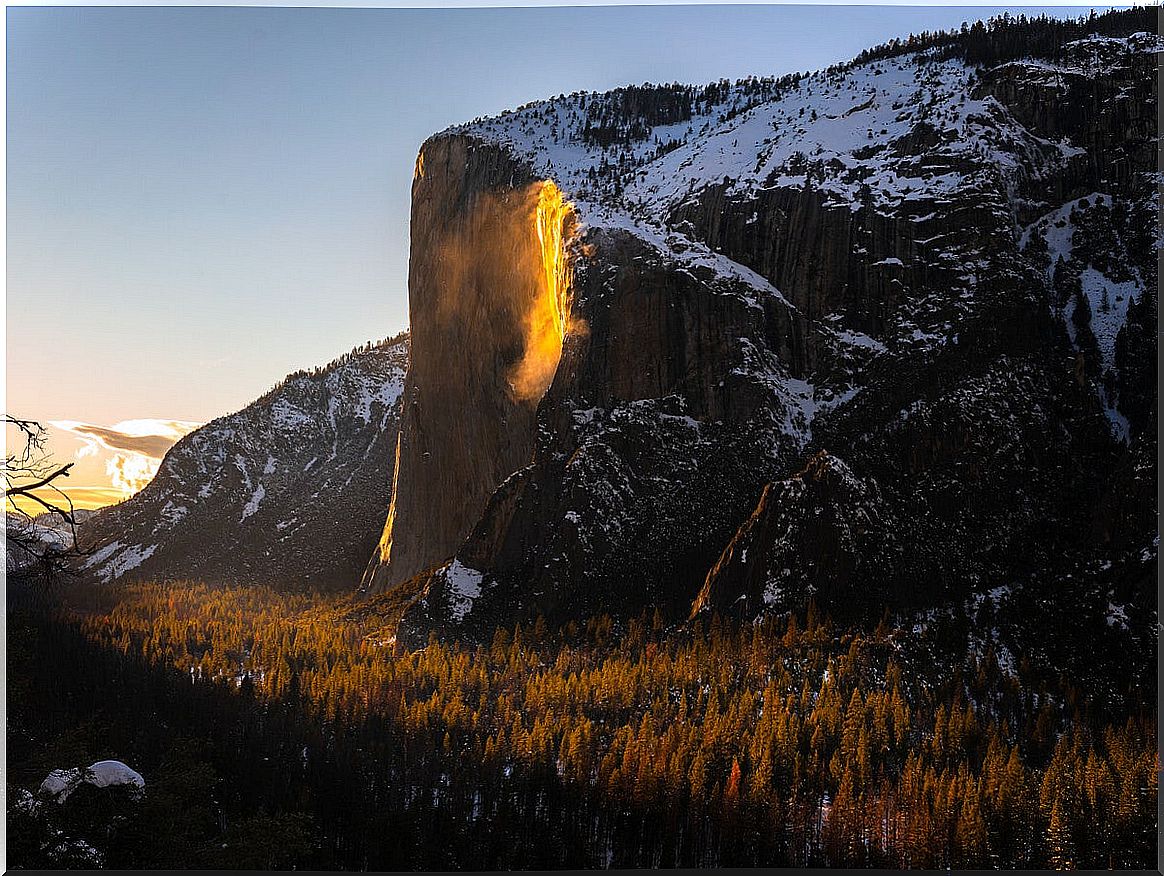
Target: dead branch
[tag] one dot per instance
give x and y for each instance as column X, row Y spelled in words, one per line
column 25, row 472
column 26, row 489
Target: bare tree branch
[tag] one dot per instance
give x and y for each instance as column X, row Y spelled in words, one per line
column 25, row 472
column 26, row 489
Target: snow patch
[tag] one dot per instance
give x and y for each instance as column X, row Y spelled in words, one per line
column 464, row 586
column 253, row 503
column 1109, row 309
column 1117, row 616
column 172, row 513
column 126, row 561
column 59, row 784
column 102, row 555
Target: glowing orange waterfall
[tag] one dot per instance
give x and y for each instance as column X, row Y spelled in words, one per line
column 548, row 319
column 552, row 215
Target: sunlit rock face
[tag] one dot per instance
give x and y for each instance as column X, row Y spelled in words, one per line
column 489, row 293
column 578, row 417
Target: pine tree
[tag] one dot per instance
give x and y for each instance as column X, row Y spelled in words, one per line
column 1060, row 851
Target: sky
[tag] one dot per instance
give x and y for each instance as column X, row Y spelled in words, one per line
column 202, row 200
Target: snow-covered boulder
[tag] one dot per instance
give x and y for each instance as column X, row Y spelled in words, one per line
column 60, row 783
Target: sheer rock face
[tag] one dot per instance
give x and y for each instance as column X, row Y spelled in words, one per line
column 473, row 269
column 276, row 494
column 658, row 429
column 854, row 363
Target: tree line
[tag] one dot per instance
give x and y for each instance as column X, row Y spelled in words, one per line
column 793, row 742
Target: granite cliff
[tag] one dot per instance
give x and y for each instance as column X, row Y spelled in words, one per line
column 881, row 335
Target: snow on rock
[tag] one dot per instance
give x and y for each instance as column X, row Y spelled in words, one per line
column 369, row 392
column 1117, row 616
column 106, row 773
column 286, row 416
column 128, row 559
column 840, row 132
column 1079, row 238
column 60, row 783
column 847, row 236
column 1109, row 302
column 100, row 556
column 858, row 339
column 464, row 586
column 40, row 534
column 291, row 465
column 253, row 503
column 173, row 514
column 1058, row 229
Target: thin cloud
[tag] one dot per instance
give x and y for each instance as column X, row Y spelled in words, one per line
column 150, row 438
column 136, row 447
column 85, row 498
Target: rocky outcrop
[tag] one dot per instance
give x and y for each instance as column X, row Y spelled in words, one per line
column 822, row 533
column 657, row 429
column 640, row 401
column 1101, row 95
column 475, row 276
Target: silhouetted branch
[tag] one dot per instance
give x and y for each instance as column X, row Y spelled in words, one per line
column 25, row 472
column 26, row 489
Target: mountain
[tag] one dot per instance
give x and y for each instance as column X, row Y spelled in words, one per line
column 29, row 538
column 282, row 493
column 882, row 335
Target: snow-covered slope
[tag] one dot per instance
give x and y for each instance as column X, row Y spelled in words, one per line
column 845, row 130
column 912, row 137
column 291, row 491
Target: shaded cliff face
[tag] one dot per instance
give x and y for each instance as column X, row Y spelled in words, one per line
column 876, row 336
column 268, row 495
column 489, row 297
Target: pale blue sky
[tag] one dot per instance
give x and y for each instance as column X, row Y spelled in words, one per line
column 203, row 199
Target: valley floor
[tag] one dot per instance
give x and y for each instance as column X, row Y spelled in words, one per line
column 284, row 731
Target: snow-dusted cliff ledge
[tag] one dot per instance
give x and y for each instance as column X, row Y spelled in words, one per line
column 853, row 134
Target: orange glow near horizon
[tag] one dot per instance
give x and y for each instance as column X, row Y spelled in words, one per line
column 548, row 319
column 130, row 453
column 83, row 498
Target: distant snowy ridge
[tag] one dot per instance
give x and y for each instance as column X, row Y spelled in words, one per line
column 286, row 491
